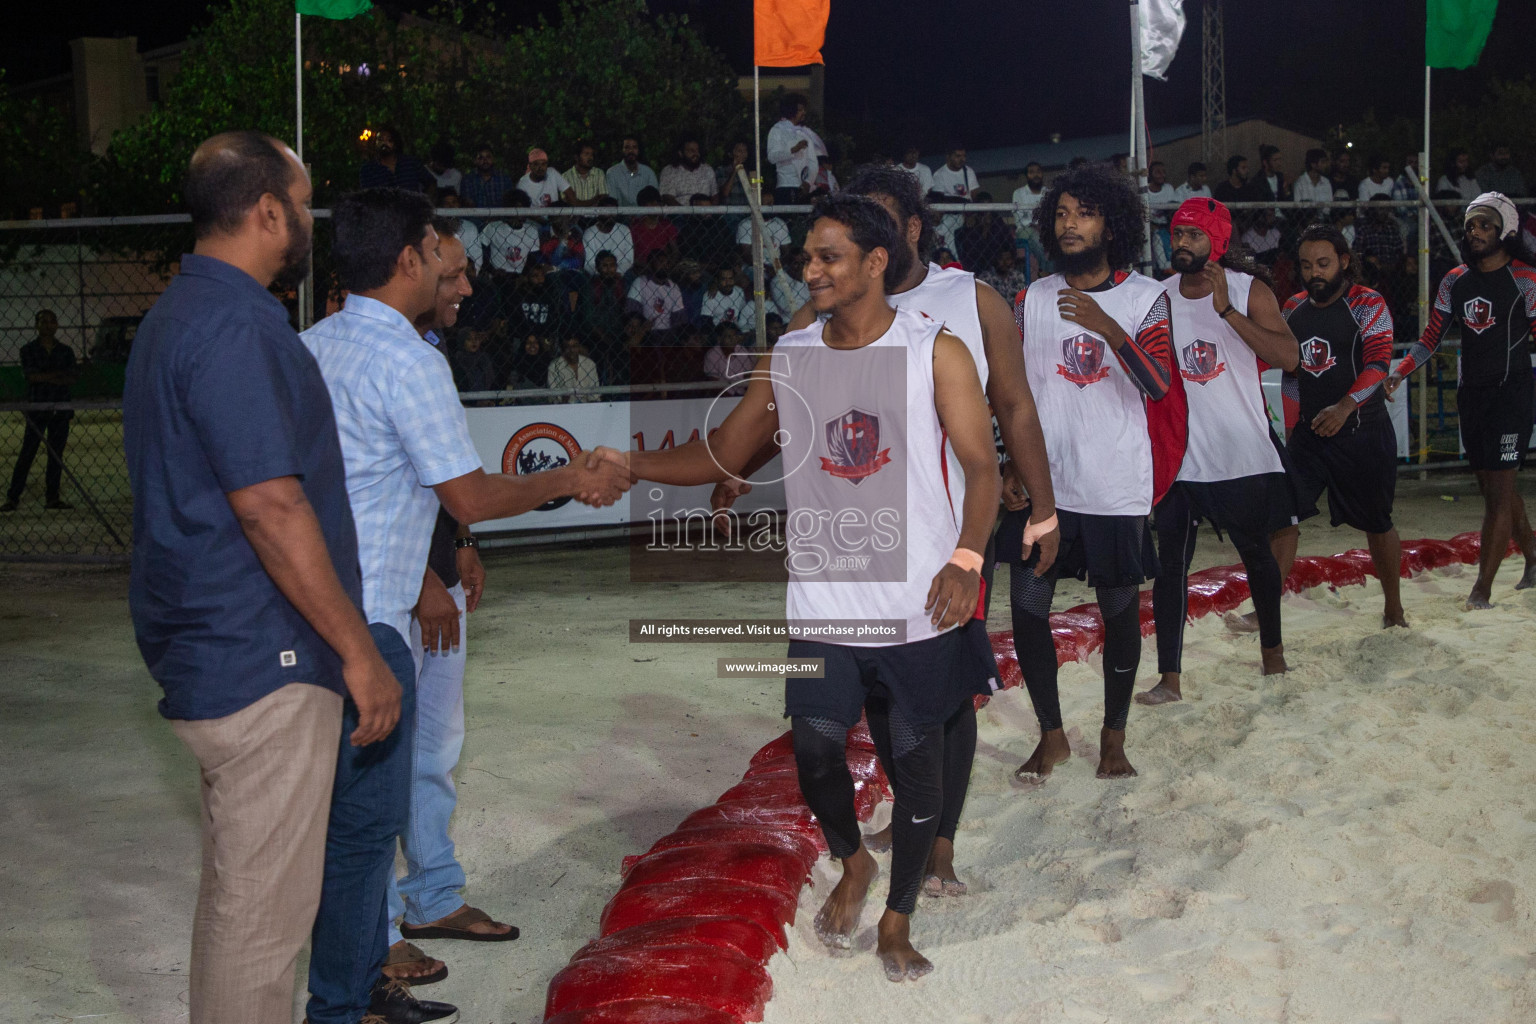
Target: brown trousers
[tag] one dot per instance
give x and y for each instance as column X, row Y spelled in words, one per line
column 267, row 772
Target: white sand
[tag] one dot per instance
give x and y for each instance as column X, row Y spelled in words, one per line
column 1351, row 843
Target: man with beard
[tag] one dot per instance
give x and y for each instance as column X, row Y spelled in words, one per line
column 245, row 591
column 393, row 167
column 1493, row 297
column 1229, row 329
column 980, row 317
column 873, row 393
column 629, row 177
column 1343, row 440
column 688, row 176
column 542, row 186
column 1114, row 425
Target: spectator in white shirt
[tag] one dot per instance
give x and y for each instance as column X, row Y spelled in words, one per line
column 789, row 150
column 1027, row 196
column 587, row 182
column 955, row 180
column 467, row 233
column 822, row 182
column 1194, row 184
column 542, row 186
column 725, row 303
column 1263, row 237
column 1160, row 194
column 1314, row 186
column 655, row 296
column 1458, row 176
column 788, row 288
column 629, row 176
column 920, row 171
column 574, row 370
column 607, row 235
column 688, row 176
column 440, row 163
column 775, row 236
column 508, row 243
column 1380, row 181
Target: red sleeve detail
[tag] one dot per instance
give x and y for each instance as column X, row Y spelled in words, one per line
column 1148, row 357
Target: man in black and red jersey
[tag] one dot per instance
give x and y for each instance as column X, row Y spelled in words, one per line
column 1343, row 441
column 1493, row 297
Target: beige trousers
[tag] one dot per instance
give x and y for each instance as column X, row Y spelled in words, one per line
column 267, row 772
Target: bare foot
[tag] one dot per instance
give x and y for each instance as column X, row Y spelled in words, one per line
column 1241, row 623
column 1479, row 599
column 839, row 916
column 900, row 960
column 1394, row 617
column 879, row 842
column 940, row 878
column 1165, row 692
column 1112, row 762
column 1528, row 580
column 1274, row 660
column 1051, row 751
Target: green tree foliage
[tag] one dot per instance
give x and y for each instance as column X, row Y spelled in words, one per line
column 1501, row 116
column 40, row 160
column 600, row 69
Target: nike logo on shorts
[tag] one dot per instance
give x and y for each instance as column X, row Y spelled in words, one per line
column 918, row 821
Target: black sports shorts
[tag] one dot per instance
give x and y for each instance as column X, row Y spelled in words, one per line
column 1104, row 551
column 1357, row 469
column 1496, row 422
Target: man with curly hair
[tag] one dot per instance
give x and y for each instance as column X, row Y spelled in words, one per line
column 1098, row 351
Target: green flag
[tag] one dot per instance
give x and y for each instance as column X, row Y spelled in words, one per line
column 1455, row 31
column 336, row 10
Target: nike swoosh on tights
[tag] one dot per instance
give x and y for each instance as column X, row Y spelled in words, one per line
column 919, row 821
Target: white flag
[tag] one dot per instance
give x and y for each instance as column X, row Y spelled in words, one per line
column 1162, row 25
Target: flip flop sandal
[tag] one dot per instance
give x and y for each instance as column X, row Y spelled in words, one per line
column 457, row 926
column 409, row 954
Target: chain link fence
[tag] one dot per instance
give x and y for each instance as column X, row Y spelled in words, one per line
column 574, row 305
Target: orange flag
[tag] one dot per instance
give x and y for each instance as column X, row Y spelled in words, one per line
column 788, row 33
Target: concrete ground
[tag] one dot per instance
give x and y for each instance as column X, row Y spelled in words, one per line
column 581, row 749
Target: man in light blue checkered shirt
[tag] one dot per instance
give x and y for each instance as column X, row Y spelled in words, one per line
column 407, row 449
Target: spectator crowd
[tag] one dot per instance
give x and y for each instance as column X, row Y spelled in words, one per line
column 568, row 295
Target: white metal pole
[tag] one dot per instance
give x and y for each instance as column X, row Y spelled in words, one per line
column 298, row 85
column 759, row 287
column 1137, row 158
column 1424, row 211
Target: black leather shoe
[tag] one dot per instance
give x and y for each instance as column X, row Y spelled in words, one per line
column 392, row 1003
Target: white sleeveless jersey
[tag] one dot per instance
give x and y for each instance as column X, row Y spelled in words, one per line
column 1092, row 413
column 1228, row 423
column 949, row 296
column 874, row 512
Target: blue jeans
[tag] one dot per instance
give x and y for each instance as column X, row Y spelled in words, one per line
column 430, row 889
column 369, row 806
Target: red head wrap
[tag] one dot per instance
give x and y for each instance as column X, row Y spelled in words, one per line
column 1209, row 216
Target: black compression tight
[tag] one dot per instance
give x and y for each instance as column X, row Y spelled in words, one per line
column 1176, row 532
column 959, row 754
column 1030, row 597
column 916, row 777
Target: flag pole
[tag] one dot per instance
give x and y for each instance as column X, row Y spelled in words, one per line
column 1136, row 157
column 306, row 290
column 754, row 199
column 1424, row 214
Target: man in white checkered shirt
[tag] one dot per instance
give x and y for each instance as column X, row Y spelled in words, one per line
column 407, row 449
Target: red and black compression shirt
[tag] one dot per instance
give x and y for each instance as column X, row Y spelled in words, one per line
column 1497, row 313
column 1346, row 349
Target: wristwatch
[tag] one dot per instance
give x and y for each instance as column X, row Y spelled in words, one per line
column 466, row 542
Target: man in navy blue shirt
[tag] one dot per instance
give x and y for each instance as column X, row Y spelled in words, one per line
column 246, row 587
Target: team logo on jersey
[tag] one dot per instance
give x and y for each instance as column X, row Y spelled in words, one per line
column 854, row 441
column 1317, row 356
column 1084, row 355
column 537, row 447
column 1478, row 314
column 1200, row 362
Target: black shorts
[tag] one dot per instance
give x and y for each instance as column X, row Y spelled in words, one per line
column 927, row 679
column 1247, row 509
column 1357, row 469
column 1104, row 551
column 1496, row 422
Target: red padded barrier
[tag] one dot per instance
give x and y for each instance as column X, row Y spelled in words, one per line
column 1469, row 546
column 721, row 979
column 1358, row 559
column 783, row 746
column 644, row 1011
column 744, row 863
column 801, row 845
column 1424, row 555
column 699, row 897
column 746, row 938
column 1226, row 587
column 1306, row 573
